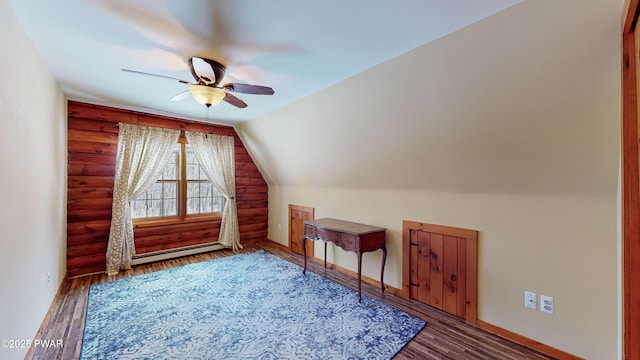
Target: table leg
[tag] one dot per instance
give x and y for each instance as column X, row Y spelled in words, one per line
column 325, row 254
column 304, row 254
column 359, row 276
column 384, row 259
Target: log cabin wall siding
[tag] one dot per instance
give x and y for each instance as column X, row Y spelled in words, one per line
column 92, row 145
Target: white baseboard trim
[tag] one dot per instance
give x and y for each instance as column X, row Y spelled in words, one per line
column 174, row 253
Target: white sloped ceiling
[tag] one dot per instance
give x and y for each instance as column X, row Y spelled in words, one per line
column 525, row 101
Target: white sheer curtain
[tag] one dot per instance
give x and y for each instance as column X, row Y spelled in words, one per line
column 143, row 152
column 215, row 153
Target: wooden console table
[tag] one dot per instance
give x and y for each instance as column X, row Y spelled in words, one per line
column 348, row 236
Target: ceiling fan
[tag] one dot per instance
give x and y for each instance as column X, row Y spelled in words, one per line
column 207, row 89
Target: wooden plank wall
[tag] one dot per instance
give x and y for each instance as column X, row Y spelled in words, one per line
column 92, row 145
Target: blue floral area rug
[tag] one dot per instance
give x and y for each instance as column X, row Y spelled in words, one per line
column 247, row 306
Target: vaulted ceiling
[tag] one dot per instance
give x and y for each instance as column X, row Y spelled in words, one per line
column 296, row 47
column 526, row 101
column 500, row 96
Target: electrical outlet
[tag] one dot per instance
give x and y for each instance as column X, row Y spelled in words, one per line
column 530, row 300
column 48, row 278
column 279, row 227
column 546, row 304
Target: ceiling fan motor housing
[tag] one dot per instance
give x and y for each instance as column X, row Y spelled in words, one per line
column 203, row 69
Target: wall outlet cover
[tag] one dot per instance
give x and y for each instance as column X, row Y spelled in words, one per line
column 530, row 300
column 546, row 304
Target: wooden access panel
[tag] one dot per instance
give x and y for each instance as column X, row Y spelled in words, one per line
column 297, row 216
column 440, row 267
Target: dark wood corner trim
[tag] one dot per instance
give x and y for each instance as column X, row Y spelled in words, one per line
column 630, row 187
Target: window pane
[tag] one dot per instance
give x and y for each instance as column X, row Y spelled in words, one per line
column 138, row 209
column 192, row 171
column 191, row 158
column 205, row 205
column 202, row 175
column 156, row 191
column 206, row 192
column 155, row 208
column 203, row 198
column 170, row 190
column 192, row 164
column 171, row 171
column 161, row 199
column 193, row 206
column 193, row 190
column 206, row 189
column 170, row 207
column 193, row 198
column 218, row 202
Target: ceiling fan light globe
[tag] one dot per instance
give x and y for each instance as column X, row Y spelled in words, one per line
column 207, row 95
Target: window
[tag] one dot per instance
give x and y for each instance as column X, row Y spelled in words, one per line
column 182, row 193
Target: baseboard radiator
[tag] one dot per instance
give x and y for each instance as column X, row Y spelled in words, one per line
column 175, row 253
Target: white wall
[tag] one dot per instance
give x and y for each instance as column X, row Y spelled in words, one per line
column 32, row 185
column 509, row 127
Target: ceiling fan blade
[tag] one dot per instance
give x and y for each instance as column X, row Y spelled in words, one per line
column 248, row 89
column 156, row 75
column 233, row 100
column 206, row 71
column 180, row 96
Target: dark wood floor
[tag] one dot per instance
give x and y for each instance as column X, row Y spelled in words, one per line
column 444, row 337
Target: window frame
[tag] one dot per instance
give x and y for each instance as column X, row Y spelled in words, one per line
column 182, row 217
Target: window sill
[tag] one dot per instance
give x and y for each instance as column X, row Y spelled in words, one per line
column 144, row 223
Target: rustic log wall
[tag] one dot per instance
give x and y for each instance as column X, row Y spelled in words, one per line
column 92, row 144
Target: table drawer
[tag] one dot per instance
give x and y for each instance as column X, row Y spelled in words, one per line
column 347, row 242
column 328, row 235
column 310, row 232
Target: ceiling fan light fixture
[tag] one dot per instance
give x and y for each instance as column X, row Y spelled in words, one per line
column 207, row 95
